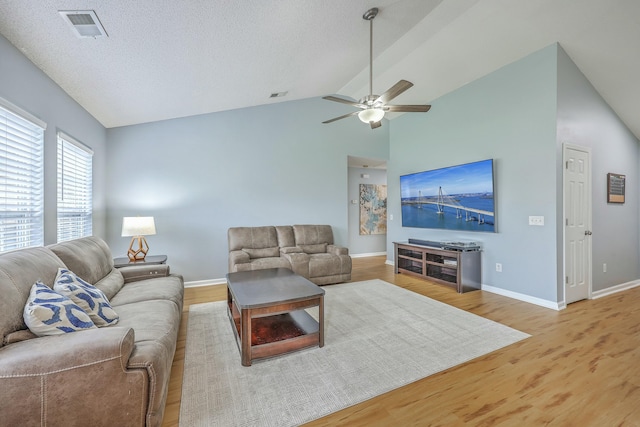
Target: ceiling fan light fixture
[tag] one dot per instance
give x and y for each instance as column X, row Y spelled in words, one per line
column 371, row 115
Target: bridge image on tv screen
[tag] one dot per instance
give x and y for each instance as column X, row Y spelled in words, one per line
column 453, row 198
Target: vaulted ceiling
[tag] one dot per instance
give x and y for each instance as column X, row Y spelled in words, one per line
column 164, row 58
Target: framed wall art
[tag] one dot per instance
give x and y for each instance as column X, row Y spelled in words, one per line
column 373, row 209
column 615, row 188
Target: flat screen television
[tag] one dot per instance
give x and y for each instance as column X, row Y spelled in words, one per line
column 453, row 198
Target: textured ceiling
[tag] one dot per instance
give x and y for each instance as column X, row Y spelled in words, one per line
column 165, row 59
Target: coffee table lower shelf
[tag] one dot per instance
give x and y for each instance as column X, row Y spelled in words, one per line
column 275, row 334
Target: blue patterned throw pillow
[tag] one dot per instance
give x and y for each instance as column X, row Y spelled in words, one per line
column 49, row 313
column 92, row 300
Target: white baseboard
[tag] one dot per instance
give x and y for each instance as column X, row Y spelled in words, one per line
column 389, row 262
column 196, row 283
column 367, row 255
column 526, row 298
column 615, row 289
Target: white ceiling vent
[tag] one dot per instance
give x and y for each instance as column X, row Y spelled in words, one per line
column 85, row 23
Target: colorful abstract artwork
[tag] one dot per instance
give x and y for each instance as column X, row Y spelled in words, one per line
column 373, row 209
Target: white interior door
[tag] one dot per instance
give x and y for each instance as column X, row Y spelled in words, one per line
column 577, row 229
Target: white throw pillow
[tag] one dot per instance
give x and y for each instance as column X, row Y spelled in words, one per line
column 92, row 300
column 49, row 313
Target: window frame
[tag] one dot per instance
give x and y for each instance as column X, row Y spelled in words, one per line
column 74, row 216
column 21, row 178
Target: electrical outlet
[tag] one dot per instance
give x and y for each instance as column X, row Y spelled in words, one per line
column 498, row 267
column 536, row 220
column 604, row 267
column 391, row 217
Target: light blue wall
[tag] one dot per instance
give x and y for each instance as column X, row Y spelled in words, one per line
column 521, row 115
column 510, row 116
column 277, row 164
column 268, row 165
column 365, row 244
column 26, row 86
column 585, row 119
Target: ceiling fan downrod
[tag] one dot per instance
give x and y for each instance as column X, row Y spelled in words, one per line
column 368, row 16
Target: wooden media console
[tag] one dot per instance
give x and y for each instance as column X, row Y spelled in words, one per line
column 460, row 269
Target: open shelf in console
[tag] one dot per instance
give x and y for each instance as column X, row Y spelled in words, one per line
column 460, row 269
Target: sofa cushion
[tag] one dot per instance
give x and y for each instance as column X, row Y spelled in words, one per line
column 111, row 283
column 328, row 264
column 91, row 299
column 19, row 270
column 159, row 288
column 49, row 313
column 262, row 252
column 319, row 248
column 264, row 263
column 312, row 234
column 291, row 250
column 17, row 336
column 252, row 237
column 285, row 236
column 90, row 258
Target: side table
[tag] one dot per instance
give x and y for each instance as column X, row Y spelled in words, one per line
column 148, row 260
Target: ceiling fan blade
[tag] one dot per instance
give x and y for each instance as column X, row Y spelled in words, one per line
column 341, row 117
column 375, row 125
column 407, row 108
column 344, row 101
column 394, row 91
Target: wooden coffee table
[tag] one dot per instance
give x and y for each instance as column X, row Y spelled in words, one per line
column 266, row 310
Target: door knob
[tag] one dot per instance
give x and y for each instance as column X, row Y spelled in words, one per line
column 587, row 233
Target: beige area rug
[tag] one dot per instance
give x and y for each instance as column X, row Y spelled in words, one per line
column 378, row 337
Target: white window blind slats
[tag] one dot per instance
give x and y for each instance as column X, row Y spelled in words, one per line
column 21, row 180
column 75, row 197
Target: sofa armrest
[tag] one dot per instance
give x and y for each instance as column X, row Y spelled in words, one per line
column 239, row 257
column 77, row 376
column 57, row 353
column 291, row 250
column 337, row 250
column 134, row 273
column 299, row 262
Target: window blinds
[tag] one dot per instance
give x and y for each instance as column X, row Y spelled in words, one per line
column 21, row 178
column 75, row 183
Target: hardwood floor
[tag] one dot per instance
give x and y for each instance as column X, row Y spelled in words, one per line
column 579, row 367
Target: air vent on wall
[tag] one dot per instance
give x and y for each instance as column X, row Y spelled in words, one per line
column 85, row 23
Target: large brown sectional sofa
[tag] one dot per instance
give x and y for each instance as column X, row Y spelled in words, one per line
column 116, row 375
column 308, row 250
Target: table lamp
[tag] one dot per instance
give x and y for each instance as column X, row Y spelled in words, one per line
column 138, row 227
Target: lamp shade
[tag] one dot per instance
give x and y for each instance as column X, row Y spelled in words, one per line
column 138, row 226
column 371, row 115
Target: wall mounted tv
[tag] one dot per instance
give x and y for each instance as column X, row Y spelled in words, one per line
column 453, row 198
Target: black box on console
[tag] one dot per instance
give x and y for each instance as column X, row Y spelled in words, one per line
column 425, row 243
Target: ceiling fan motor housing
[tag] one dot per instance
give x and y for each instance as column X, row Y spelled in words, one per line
column 369, row 100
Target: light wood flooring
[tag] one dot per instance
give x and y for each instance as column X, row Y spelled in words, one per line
column 580, row 367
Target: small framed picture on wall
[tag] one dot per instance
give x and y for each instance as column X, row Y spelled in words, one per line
column 615, row 188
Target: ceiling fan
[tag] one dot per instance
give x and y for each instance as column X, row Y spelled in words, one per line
column 372, row 107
